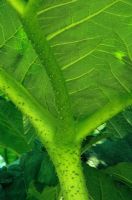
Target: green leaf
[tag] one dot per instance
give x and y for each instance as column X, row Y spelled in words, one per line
column 122, row 172
column 13, row 184
column 11, row 128
column 50, row 193
column 29, row 131
column 47, row 174
column 128, row 115
column 30, row 164
column 120, row 125
column 103, row 187
column 98, row 37
column 85, row 37
column 19, row 59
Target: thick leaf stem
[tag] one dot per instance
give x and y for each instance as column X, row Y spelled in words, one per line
column 68, row 166
column 40, row 117
column 45, row 54
column 89, row 124
column 18, row 5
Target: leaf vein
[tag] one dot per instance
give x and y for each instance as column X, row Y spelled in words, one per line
column 73, row 25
